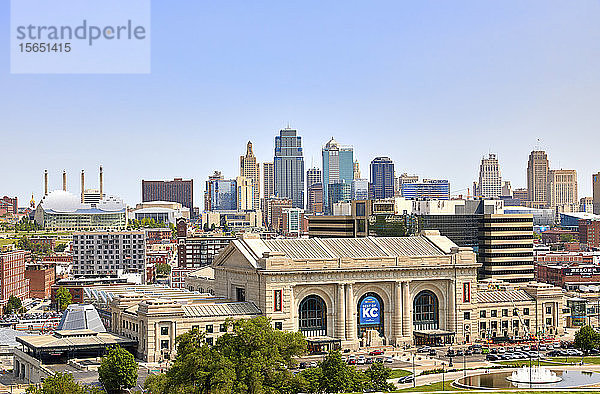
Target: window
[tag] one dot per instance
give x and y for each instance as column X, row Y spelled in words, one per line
column 504, row 312
column 425, row 311
column 467, row 316
column 505, row 324
column 197, row 328
column 526, row 322
column 549, row 321
column 494, row 313
column 515, row 323
column 278, row 325
column 482, row 325
column 494, row 325
column 526, row 311
column 548, row 309
column 164, row 344
column 482, row 313
column 209, row 341
column 313, row 316
column 164, row 331
column 467, row 292
column 222, row 328
column 240, row 294
column 277, row 301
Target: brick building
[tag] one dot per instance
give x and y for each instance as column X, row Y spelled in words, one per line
column 41, row 278
column 177, row 190
column 9, row 205
column 12, row 276
column 589, row 232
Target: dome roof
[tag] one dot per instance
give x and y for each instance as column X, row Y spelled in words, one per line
column 332, row 143
column 61, row 201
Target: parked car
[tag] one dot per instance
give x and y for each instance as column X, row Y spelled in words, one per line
column 543, row 348
column 302, row 365
column 406, row 379
column 501, row 350
column 377, row 352
column 526, row 348
column 468, row 352
column 494, row 350
column 313, row 364
column 370, row 360
column 450, row 353
column 389, row 360
column 550, row 347
column 459, row 353
column 432, row 352
column 424, row 349
column 351, row 361
column 491, row 357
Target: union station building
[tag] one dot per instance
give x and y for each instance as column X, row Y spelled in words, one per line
column 345, row 292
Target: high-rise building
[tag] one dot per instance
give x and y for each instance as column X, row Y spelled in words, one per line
column 313, row 175
column 405, row 178
column 490, row 182
column 250, row 169
column 339, row 191
column 589, row 232
column 196, row 252
column 537, row 179
column 382, row 177
column 506, row 189
column 338, row 167
column 268, row 180
column 596, row 192
column 586, row 204
column 562, row 187
column 126, row 252
column 356, row 170
column 12, row 276
column 288, row 167
column 360, row 189
column 314, row 196
column 274, row 212
column 177, row 190
column 506, row 247
column 433, row 189
column 221, row 194
column 521, row 194
column 245, row 193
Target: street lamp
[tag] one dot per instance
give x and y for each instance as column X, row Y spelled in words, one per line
column 464, row 365
column 443, row 370
column 414, row 375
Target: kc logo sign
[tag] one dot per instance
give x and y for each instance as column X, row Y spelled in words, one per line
column 370, row 310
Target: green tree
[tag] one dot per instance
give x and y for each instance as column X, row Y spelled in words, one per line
column 586, row 339
column 62, row 383
column 163, row 269
column 156, row 384
column 60, row 248
column 340, row 377
column 377, row 377
column 118, row 370
column 13, row 305
column 566, row 238
column 63, row 298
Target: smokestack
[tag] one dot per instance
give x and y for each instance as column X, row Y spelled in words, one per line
column 45, row 182
column 64, row 180
column 82, row 185
column 101, row 183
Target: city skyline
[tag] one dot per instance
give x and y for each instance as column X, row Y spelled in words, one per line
column 458, row 80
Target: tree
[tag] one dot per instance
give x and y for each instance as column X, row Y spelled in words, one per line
column 163, row 269
column 60, row 248
column 118, row 370
column 156, row 384
column 13, row 305
column 586, row 339
column 377, row 375
column 340, row 377
column 62, row 383
column 63, row 298
column 566, row 238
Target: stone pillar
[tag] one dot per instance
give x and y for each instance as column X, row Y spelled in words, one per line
column 451, row 306
column 350, row 314
column 397, row 313
column 340, row 313
column 406, row 311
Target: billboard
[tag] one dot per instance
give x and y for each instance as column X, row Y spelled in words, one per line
column 370, row 311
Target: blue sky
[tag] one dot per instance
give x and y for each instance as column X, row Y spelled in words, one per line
column 433, row 84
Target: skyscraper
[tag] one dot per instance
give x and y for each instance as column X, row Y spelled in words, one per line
column 562, row 188
column 268, row 180
column 382, row 177
column 250, row 169
column 313, row 175
column 490, row 182
column 221, row 194
column 356, row 170
column 288, row 167
column 314, row 197
column 338, row 167
column 177, row 190
column 245, row 193
column 596, row 192
column 537, row 179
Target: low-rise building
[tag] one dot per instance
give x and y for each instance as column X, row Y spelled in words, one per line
column 12, row 276
column 41, row 278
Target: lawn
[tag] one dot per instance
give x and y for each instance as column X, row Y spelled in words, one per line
column 6, row 241
column 432, row 387
column 398, row 373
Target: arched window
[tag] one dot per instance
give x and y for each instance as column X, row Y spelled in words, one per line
column 313, row 316
column 425, row 311
column 370, row 313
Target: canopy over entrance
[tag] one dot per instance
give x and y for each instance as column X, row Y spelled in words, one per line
column 433, row 337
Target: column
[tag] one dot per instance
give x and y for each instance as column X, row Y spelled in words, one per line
column 340, row 313
column 350, row 314
column 406, row 311
column 397, row 316
column 451, row 306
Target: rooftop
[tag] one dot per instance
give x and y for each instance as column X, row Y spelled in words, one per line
column 495, row 296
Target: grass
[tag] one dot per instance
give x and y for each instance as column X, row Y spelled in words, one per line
column 6, row 241
column 398, row 373
column 431, row 387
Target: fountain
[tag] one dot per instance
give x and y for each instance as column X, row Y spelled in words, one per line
column 534, row 374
